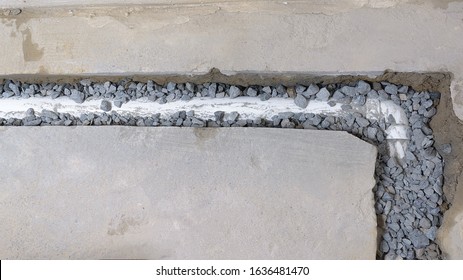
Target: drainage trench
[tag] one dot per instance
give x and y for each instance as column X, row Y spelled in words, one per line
column 408, row 193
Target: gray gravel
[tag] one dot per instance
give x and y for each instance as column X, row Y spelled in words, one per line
column 359, row 100
column 234, row 92
column 311, row 91
column 30, row 112
column 301, row 101
column 323, row 95
column 77, row 96
column 126, row 90
column 362, row 87
column 118, row 103
column 251, row 92
column 105, row 105
column 408, row 194
column 391, row 89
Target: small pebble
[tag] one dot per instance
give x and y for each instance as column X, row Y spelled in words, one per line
column 362, row 87
column 77, row 96
column 231, row 117
column 359, row 100
column 362, row 122
column 311, row 90
column 323, row 95
column 346, row 107
column 301, row 101
column 30, row 112
column 391, row 89
column 251, row 92
column 105, row 105
column 118, row 103
column 265, row 96
column 349, row 91
column 234, row 92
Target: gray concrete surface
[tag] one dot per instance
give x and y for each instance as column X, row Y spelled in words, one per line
column 184, row 193
column 450, row 235
column 184, row 37
column 192, row 36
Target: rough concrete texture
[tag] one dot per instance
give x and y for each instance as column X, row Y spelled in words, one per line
column 185, row 37
column 448, row 130
column 191, row 37
column 451, row 232
column 184, row 193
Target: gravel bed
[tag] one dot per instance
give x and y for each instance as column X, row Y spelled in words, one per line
column 408, row 194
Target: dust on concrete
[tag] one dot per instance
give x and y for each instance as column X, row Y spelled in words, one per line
column 31, row 50
column 120, row 225
column 204, row 134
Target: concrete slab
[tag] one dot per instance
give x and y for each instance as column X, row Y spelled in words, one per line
column 450, row 234
column 184, row 193
column 188, row 37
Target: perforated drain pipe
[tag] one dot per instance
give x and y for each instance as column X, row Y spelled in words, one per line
column 248, row 108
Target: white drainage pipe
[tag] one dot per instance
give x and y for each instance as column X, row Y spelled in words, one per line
column 204, row 107
column 395, row 117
